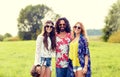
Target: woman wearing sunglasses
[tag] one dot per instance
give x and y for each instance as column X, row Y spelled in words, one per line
column 79, row 52
column 45, row 46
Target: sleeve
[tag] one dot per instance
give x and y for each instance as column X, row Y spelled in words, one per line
column 38, row 50
column 86, row 46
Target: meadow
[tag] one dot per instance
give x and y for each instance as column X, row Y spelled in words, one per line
column 17, row 58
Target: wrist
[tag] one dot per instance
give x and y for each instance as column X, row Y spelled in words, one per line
column 86, row 64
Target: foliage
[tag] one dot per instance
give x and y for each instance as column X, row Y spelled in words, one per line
column 25, row 35
column 1, row 37
column 30, row 20
column 112, row 21
column 115, row 37
column 12, row 39
column 7, row 35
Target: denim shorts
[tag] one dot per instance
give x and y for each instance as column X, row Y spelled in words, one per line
column 76, row 68
column 61, row 72
column 45, row 61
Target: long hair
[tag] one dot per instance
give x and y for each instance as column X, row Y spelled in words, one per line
column 51, row 35
column 67, row 29
column 83, row 31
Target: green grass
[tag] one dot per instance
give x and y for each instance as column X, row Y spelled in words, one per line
column 17, row 58
column 105, row 59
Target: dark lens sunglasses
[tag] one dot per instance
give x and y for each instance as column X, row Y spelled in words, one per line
column 77, row 27
column 49, row 26
column 61, row 24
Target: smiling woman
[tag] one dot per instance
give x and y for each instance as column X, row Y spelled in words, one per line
column 45, row 47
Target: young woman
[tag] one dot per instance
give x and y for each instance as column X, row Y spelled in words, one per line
column 79, row 52
column 45, row 46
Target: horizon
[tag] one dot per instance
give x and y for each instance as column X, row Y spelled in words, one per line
column 91, row 13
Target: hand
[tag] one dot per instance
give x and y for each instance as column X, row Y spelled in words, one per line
column 85, row 70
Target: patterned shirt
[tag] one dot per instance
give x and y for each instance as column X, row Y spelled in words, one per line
column 82, row 51
column 62, row 48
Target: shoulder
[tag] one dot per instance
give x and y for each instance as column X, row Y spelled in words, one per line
column 40, row 37
column 68, row 34
column 56, row 34
column 82, row 38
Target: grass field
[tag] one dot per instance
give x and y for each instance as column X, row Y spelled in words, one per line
column 16, row 59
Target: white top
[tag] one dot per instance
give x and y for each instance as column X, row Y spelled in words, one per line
column 41, row 50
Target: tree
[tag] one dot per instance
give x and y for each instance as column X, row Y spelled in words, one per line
column 112, row 21
column 1, row 37
column 7, row 35
column 30, row 21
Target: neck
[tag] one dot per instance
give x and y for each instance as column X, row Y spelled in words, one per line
column 63, row 32
column 48, row 34
column 77, row 35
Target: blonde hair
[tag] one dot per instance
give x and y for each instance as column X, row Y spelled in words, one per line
column 83, row 31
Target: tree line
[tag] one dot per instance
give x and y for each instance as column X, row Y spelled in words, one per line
column 31, row 17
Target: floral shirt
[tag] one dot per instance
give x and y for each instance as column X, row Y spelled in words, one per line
column 62, row 48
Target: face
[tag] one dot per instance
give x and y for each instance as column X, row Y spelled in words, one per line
column 62, row 25
column 77, row 28
column 38, row 69
column 49, row 27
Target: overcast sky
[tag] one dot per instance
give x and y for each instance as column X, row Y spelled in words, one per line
column 90, row 12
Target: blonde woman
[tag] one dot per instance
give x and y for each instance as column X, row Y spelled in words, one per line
column 79, row 52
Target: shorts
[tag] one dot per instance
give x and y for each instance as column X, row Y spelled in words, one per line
column 45, row 61
column 76, row 68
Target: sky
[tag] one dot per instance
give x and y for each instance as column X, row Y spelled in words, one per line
column 90, row 12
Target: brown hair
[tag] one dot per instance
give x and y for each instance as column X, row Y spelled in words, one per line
column 51, row 35
column 33, row 71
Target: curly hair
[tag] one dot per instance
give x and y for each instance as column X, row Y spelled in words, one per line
column 67, row 29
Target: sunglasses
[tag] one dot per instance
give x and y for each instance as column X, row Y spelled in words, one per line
column 61, row 24
column 49, row 26
column 77, row 27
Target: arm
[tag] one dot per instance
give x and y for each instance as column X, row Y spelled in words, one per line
column 85, row 68
column 38, row 49
column 86, row 61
